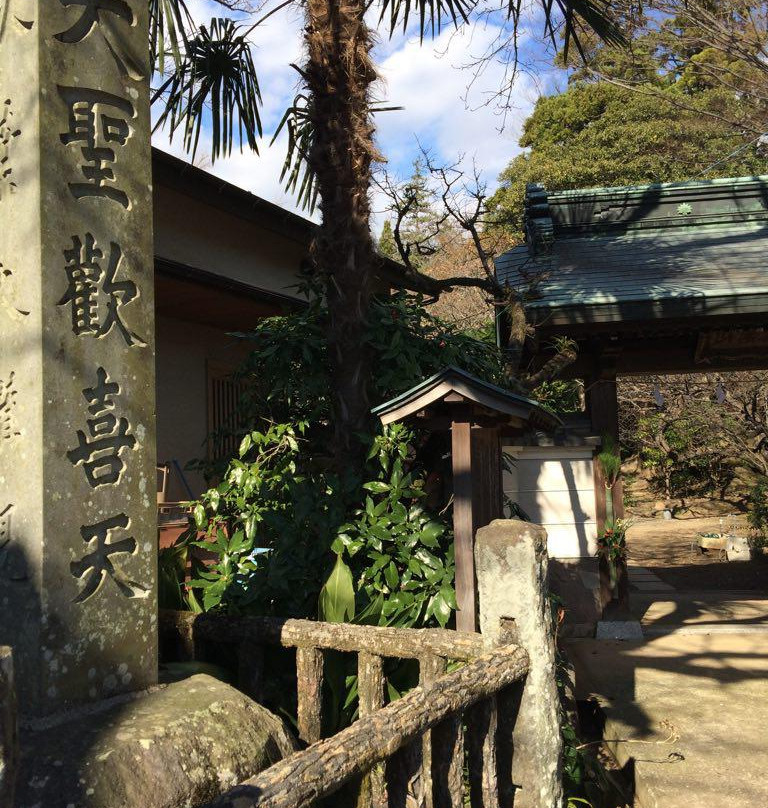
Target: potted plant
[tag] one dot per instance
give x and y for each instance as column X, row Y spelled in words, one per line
column 612, row 555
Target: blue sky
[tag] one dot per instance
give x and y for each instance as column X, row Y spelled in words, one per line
column 431, row 81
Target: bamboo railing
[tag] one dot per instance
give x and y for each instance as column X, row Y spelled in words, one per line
column 442, row 745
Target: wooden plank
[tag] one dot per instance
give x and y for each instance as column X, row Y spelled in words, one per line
column 309, row 682
column 370, row 688
column 463, row 526
column 305, row 777
column 400, row 643
column 9, row 741
column 482, row 724
column 487, row 487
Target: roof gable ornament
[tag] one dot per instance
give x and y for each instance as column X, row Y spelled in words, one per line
column 539, row 227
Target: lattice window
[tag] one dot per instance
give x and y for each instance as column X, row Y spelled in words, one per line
column 224, row 395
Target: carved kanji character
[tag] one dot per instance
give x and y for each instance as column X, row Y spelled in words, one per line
column 94, row 567
column 91, row 16
column 99, row 451
column 95, row 296
column 98, row 132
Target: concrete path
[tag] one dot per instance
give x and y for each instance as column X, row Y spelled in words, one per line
column 688, row 705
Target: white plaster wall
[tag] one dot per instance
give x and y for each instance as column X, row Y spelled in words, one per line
column 555, row 487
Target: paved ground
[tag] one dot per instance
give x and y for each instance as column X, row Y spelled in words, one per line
column 691, row 711
column 687, row 707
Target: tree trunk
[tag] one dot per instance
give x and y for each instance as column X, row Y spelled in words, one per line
column 339, row 75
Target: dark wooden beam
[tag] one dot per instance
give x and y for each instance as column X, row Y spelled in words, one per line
column 463, row 525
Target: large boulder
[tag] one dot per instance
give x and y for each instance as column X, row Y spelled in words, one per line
column 176, row 746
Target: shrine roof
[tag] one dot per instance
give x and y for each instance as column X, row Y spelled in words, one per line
column 608, row 254
column 432, row 392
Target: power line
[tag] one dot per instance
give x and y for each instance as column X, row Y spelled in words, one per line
column 738, row 151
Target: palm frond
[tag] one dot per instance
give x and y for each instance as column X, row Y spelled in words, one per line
column 169, row 22
column 432, row 14
column 297, row 175
column 215, row 82
column 575, row 16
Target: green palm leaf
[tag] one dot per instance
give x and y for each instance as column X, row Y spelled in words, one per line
column 296, row 173
column 215, row 81
column 577, row 16
column 169, row 21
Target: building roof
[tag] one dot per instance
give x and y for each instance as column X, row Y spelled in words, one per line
column 187, row 178
column 453, row 381
column 650, row 251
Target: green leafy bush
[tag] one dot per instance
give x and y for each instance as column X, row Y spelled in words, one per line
column 400, row 554
column 293, row 538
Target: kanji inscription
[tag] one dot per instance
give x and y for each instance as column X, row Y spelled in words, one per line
column 8, row 133
column 8, row 392
column 90, row 16
column 93, row 293
column 97, row 564
column 100, row 14
column 99, row 450
column 6, row 306
column 98, row 122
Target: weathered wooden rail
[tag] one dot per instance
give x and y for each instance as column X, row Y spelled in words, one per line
column 424, row 749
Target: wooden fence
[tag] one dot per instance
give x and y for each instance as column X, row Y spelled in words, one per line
column 442, row 745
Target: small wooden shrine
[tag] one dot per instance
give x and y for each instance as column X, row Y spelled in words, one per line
column 478, row 414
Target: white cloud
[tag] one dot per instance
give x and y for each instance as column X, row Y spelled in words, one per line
column 425, row 79
column 428, row 80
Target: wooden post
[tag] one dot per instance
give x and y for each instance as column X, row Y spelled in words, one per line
column 604, row 412
column 463, row 525
column 431, row 668
column 603, row 405
column 370, row 688
column 482, row 727
column 309, row 678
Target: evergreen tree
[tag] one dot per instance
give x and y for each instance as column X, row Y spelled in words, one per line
column 386, row 245
column 669, row 125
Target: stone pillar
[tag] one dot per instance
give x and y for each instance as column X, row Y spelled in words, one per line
column 77, row 439
column 9, row 741
column 511, row 567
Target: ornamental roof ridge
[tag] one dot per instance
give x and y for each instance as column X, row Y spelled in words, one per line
column 553, row 215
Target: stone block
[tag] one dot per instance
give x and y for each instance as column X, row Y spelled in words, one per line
column 619, row 630
column 738, row 549
column 176, row 746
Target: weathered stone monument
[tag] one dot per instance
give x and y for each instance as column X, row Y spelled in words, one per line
column 511, row 563
column 77, row 443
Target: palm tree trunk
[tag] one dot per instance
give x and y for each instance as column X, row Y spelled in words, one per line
column 339, row 75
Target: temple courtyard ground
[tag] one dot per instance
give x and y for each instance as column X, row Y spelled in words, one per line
column 686, row 707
